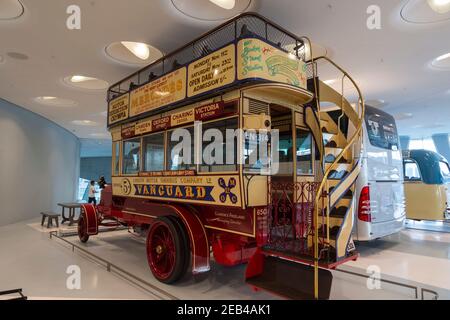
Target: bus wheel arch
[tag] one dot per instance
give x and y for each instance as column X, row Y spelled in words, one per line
column 192, row 233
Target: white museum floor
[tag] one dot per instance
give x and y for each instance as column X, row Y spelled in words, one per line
column 38, row 264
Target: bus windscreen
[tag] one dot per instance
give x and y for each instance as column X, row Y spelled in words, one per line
column 381, row 130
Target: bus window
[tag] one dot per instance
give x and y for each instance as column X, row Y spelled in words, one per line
column 218, row 163
column 252, row 151
column 131, row 155
column 116, row 159
column 304, row 153
column 381, row 129
column 285, row 153
column 153, row 152
column 177, row 160
column 412, row 172
column 444, row 169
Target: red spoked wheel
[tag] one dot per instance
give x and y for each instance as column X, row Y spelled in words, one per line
column 167, row 250
column 82, row 228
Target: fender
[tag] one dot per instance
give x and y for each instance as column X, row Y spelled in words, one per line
column 90, row 212
column 197, row 234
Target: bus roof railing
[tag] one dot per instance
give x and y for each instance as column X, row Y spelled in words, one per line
column 248, row 23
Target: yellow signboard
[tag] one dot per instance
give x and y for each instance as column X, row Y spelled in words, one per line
column 118, row 109
column 182, row 117
column 143, row 127
column 211, row 72
column 161, row 92
column 213, row 190
column 257, row 59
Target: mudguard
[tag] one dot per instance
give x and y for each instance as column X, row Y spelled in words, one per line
column 197, row 235
column 90, row 213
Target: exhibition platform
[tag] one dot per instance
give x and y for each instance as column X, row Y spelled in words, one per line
column 41, row 273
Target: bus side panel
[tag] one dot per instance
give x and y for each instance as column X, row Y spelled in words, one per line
column 425, row 201
column 382, row 171
column 232, row 232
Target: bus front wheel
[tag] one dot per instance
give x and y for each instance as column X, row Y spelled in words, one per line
column 82, row 228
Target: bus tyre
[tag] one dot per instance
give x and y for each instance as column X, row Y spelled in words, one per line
column 82, row 228
column 185, row 243
column 166, row 250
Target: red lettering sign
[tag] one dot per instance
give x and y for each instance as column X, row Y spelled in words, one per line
column 209, row 111
column 128, row 131
column 161, row 124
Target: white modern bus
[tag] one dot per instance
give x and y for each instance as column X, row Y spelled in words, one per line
column 379, row 190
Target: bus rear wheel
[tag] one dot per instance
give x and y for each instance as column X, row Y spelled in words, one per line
column 167, row 250
column 82, row 228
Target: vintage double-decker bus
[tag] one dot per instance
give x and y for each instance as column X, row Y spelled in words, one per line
column 251, row 77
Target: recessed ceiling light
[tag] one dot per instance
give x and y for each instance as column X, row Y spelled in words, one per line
column 84, row 82
column 55, row 101
column 212, row 10
column 440, row 6
column 139, row 49
column 17, row 55
column 10, row 9
column 133, row 52
column 80, row 79
column 84, row 123
column 425, row 12
column 442, row 62
column 225, row 4
column 443, row 57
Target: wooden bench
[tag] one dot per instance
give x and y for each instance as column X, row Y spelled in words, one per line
column 50, row 216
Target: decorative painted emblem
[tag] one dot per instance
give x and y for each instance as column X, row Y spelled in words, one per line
column 285, row 66
column 227, row 190
column 126, row 186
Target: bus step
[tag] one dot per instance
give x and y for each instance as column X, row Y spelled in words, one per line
column 286, row 278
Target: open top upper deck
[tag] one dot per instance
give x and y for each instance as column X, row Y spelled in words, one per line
column 242, row 51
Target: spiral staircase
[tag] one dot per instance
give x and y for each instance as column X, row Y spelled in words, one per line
column 303, row 270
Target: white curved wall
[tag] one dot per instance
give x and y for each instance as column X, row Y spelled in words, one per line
column 39, row 164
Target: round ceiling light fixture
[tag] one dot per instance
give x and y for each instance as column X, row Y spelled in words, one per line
column 11, row 9
column 442, row 62
column 87, row 123
column 439, row 6
column 425, row 12
column 130, row 52
column 211, row 10
column 87, row 83
column 52, row 101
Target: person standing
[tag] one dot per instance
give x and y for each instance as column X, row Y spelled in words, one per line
column 91, row 193
column 102, row 182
